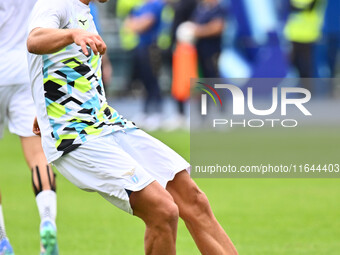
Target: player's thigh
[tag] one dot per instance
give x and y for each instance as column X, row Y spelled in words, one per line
column 157, row 159
column 21, row 112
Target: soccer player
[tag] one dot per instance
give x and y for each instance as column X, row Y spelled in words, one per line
column 95, row 148
column 17, row 106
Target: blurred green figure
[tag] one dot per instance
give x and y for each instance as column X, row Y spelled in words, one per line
column 303, row 29
column 124, row 7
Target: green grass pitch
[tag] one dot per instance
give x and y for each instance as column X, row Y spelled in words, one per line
column 262, row 216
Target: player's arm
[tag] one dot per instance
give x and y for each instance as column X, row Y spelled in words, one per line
column 50, row 40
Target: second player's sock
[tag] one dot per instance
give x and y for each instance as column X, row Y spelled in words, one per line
column 2, row 225
column 47, row 205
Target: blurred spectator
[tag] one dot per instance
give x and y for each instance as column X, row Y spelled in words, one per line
column 145, row 20
column 209, row 18
column 124, row 7
column 331, row 31
column 303, row 29
column 206, row 29
column 184, row 66
column 183, row 12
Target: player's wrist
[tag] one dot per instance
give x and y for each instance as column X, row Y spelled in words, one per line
column 73, row 34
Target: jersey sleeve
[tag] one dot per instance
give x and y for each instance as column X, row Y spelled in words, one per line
column 49, row 14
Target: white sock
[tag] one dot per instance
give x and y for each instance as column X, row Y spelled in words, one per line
column 47, row 205
column 2, row 225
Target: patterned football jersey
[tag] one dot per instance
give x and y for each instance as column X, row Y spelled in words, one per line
column 67, row 85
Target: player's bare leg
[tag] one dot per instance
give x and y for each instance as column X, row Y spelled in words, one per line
column 44, row 186
column 42, row 173
column 155, row 206
column 195, row 210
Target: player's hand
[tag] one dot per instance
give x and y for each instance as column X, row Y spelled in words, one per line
column 94, row 41
column 36, row 129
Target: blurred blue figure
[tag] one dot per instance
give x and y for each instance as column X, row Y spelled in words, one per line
column 331, row 32
column 145, row 21
column 209, row 17
column 254, row 47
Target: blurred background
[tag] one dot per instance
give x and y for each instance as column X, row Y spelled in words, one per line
column 155, row 46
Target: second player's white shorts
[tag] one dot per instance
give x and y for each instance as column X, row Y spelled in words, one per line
column 17, row 107
column 121, row 162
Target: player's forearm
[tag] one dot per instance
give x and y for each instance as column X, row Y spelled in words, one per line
column 49, row 40
column 213, row 28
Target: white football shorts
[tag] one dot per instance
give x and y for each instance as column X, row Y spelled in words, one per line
column 17, row 107
column 119, row 163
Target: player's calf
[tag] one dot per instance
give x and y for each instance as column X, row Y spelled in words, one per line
column 43, row 178
column 195, row 210
column 198, row 210
column 161, row 232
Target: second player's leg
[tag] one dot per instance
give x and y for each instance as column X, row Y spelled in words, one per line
column 44, row 186
column 42, row 173
column 155, row 206
column 196, row 212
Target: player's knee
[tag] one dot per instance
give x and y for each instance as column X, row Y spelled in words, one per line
column 43, row 178
column 201, row 201
column 169, row 213
column 166, row 216
column 198, row 206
